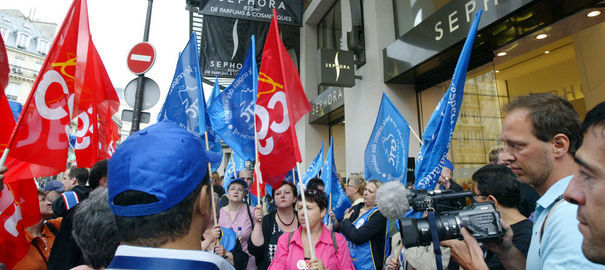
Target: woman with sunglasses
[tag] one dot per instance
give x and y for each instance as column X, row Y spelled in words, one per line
column 366, row 233
column 268, row 229
column 293, row 249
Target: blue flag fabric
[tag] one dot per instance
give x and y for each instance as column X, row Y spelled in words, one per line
column 440, row 129
column 386, row 155
column 185, row 103
column 232, row 111
column 314, row 167
column 235, row 165
column 339, row 202
column 16, row 108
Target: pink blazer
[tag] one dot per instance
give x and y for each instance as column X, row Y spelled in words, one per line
column 288, row 255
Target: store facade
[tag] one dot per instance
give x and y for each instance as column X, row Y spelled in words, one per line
column 408, row 50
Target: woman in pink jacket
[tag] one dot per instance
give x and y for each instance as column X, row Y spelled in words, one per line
column 331, row 249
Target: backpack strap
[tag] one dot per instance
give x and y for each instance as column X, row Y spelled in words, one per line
column 249, row 215
column 558, row 201
column 51, row 228
column 334, row 242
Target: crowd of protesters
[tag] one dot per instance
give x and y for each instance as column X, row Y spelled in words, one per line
column 153, row 208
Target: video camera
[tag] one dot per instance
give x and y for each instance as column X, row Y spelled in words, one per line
column 481, row 219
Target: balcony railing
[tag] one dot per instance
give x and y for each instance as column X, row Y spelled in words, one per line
column 23, row 72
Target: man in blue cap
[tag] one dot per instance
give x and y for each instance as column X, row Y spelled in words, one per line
column 159, row 193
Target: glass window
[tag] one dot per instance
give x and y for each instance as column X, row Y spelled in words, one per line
column 12, row 91
column 42, row 46
column 23, row 40
column 330, row 29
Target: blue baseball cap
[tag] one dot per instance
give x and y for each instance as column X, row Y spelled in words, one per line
column 163, row 160
column 54, row 185
column 239, row 181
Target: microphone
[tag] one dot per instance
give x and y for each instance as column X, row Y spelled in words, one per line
column 392, row 200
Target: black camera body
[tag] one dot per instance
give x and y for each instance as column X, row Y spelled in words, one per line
column 481, row 219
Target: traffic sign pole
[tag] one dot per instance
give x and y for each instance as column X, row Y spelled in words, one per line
column 138, row 101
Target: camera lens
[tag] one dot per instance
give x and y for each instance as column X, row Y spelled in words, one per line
column 417, row 232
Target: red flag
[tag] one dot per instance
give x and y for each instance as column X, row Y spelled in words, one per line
column 281, row 102
column 72, row 82
column 4, row 69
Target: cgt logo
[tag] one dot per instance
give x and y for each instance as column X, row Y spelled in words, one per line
column 268, row 118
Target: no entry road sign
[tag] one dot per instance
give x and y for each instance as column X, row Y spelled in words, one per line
column 141, row 58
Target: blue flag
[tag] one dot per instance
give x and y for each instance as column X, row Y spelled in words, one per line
column 291, row 177
column 232, row 111
column 440, row 129
column 235, row 165
column 314, row 167
column 386, row 155
column 339, row 201
column 185, row 103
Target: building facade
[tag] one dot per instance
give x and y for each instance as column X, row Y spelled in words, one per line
column 27, row 43
column 408, row 50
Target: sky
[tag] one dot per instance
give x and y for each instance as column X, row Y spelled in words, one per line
column 117, row 25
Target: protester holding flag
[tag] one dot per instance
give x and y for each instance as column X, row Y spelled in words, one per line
column 269, row 228
column 367, row 233
column 40, row 236
column 293, row 249
column 236, row 215
column 228, row 246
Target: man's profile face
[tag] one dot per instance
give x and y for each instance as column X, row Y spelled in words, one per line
column 67, row 181
column 587, row 190
column 528, row 157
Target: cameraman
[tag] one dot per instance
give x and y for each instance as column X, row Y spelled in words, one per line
column 540, row 132
column 498, row 184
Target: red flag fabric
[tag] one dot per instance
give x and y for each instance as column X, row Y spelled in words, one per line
column 253, row 190
column 281, row 102
column 72, row 83
column 12, row 237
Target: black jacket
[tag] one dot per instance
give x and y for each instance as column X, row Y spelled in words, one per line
column 59, row 209
column 374, row 230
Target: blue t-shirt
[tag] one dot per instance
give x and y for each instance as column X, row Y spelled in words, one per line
column 561, row 244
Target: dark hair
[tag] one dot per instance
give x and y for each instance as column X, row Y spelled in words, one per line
column 292, row 187
column 98, row 171
column 95, row 231
column 595, row 117
column 500, row 182
column 316, row 196
column 157, row 229
column 41, row 192
column 81, row 174
column 550, row 115
column 315, row 182
column 284, row 183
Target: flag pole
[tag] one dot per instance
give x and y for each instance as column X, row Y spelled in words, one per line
column 304, row 202
column 4, row 156
column 330, row 207
column 234, row 172
column 211, row 182
column 415, row 135
column 258, row 173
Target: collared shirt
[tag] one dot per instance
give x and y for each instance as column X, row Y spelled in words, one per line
column 358, row 201
column 289, row 255
column 39, row 248
column 242, row 226
column 561, row 244
column 133, row 257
